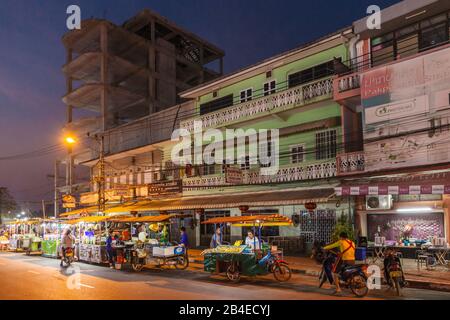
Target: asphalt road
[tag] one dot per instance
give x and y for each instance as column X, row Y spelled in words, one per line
column 24, row 277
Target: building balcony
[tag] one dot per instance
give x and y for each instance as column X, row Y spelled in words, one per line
column 350, row 163
column 270, row 104
column 346, row 89
column 290, row 173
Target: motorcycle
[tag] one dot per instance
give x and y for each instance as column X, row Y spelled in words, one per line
column 353, row 277
column 68, row 257
column 393, row 271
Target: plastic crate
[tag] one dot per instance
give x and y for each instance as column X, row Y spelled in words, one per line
column 360, row 254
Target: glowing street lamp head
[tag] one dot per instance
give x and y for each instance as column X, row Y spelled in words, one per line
column 70, row 140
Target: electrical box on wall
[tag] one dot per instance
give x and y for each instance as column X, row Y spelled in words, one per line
column 379, row 202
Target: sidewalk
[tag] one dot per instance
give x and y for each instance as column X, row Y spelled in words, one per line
column 438, row 279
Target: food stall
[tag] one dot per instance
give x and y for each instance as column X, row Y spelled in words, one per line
column 24, row 235
column 90, row 238
column 249, row 260
column 151, row 249
column 51, row 239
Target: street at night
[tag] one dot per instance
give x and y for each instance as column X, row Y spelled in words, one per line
column 25, row 277
column 249, row 157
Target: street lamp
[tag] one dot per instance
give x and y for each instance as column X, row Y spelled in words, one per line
column 70, row 140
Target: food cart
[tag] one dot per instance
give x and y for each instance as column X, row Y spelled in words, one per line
column 51, row 240
column 236, row 260
column 90, row 238
column 155, row 250
column 24, row 235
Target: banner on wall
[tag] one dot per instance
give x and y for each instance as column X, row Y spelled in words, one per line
column 392, row 190
column 411, row 101
column 395, row 87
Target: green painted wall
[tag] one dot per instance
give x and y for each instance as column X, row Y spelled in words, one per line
column 279, row 74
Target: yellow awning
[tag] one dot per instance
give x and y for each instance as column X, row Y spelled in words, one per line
column 87, row 210
column 145, row 219
column 127, row 207
column 90, row 219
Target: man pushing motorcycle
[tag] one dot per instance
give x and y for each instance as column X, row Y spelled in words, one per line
column 345, row 257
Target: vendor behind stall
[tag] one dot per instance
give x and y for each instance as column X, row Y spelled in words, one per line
column 252, row 241
column 216, row 239
column 142, row 234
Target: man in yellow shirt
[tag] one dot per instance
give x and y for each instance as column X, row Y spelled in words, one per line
column 346, row 256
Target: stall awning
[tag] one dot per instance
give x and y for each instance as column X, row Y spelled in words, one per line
column 90, row 219
column 438, row 183
column 146, row 219
column 250, row 220
column 87, row 210
column 255, row 199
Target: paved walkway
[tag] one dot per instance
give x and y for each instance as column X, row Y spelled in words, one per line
column 437, row 279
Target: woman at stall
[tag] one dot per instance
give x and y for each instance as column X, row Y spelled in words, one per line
column 216, row 239
column 252, row 241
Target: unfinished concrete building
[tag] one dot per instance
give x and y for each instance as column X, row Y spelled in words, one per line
column 129, row 71
column 119, row 75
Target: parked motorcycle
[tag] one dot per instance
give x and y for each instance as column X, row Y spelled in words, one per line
column 393, row 271
column 353, row 277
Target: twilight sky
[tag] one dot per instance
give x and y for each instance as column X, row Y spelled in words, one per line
column 31, row 56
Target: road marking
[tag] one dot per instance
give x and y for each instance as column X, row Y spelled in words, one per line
column 87, row 286
column 30, row 271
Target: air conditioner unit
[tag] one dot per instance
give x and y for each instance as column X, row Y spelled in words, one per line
column 383, row 202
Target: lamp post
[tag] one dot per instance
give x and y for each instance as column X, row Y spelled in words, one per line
column 100, row 177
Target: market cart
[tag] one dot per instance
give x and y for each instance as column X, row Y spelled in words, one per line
column 24, row 235
column 90, row 238
column 154, row 251
column 237, row 260
column 51, row 240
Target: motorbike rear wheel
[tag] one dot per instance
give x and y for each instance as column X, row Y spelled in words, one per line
column 182, row 262
column 282, row 272
column 233, row 273
column 137, row 267
column 358, row 285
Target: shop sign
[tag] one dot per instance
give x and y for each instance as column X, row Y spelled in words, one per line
column 388, row 88
column 165, row 188
column 386, row 112
column 233, row 175
column 69, row 201
column 120, row 190
column 392, row 190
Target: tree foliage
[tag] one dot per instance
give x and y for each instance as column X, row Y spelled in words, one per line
column 344, row 225
column 7, row 202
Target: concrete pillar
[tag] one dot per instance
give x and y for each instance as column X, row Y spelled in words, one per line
column 69, row 85
column 104, row 77
column 235, row 232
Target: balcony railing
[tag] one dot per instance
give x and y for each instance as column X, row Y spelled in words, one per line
column 277, row 102
column 286, row 174
column 347, row 88
column 350, row 163
column 348, row 82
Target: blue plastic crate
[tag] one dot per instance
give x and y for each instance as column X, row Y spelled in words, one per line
column 360, row 254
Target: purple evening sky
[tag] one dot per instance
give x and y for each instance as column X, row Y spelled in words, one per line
column 31, row 56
